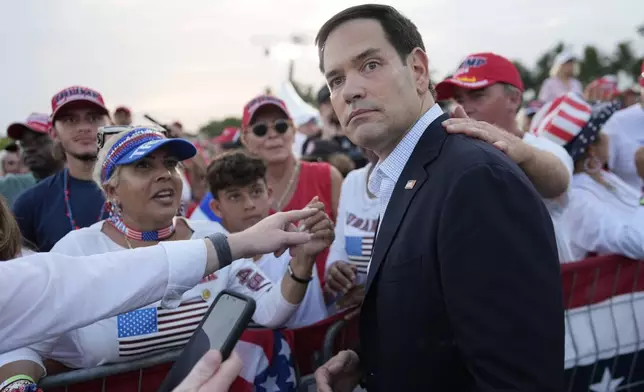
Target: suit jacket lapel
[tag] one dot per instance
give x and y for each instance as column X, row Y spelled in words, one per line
column 425, row 152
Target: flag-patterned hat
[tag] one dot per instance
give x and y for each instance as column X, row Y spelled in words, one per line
column 572, row 123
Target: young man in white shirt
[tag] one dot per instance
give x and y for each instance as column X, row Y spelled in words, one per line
column 489, row 88
column 241, row 198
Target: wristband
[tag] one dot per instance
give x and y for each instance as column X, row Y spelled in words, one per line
column 220, row 242
column 12, row 379
column 297, row 278
column 20, row 385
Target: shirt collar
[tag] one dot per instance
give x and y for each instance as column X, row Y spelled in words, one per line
column 393, row 165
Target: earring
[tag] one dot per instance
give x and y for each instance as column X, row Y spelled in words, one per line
column 114, row 208
column 592, row 165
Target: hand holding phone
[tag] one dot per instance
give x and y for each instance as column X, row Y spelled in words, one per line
column 219, row 330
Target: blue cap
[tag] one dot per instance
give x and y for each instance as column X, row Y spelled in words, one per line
column 141, row 142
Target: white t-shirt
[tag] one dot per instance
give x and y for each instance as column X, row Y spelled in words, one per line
column 556, row 206
column 356, row 224
column 312, row 309
column 604, row 220
column 625, row 130
column 152, row 328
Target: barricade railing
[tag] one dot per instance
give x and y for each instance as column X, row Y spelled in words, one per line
column 604, row 319
column 604, row 334
column 146, row 374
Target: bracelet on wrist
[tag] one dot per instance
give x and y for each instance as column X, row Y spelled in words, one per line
column 220, row 242
column 14, row 379
column 297, row 278
column 21, row 385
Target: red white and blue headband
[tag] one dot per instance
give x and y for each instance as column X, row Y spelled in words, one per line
column 139, row 143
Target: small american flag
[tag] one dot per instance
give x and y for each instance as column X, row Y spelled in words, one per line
column 146, row 330
column 359, row 251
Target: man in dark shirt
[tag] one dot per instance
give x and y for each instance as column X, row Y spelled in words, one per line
column 36, row 153
column 68, row 200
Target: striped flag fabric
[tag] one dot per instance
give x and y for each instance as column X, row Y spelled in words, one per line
column 147, row 330
column 359, row 250
column 266, row 353
column 562, row 119
column 604, row 319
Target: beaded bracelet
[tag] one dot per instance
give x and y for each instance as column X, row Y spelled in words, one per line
column 21, row 385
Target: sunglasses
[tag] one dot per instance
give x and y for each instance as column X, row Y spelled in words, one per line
column 105, row 132
column 280, row 126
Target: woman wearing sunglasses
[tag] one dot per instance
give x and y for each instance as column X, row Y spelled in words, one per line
column 268, row 133
column 137, row 170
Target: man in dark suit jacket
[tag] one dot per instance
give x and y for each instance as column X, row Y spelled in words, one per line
column 463, row 290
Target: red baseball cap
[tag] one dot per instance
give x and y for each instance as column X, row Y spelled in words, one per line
column 123, row 109
column 228, row 135
column 480, row 70
column 259, row 102
column 36, row 122
column 642, row 75
column 74, row 94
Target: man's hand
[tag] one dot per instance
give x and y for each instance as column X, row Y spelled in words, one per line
column 322, row 231
column 341, row 278
column 275, row 233
column 340, row 374
column 510, row 144
column 354, row 297
column 210, row 375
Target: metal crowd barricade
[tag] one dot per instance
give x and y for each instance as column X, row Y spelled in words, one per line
column 604, row 319
column 146, row 374
column 66, row 379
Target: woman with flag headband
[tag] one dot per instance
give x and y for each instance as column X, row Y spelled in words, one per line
column 137, row 170
column 603, row 214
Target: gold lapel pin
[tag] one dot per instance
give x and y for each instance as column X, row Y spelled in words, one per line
column 410, row 184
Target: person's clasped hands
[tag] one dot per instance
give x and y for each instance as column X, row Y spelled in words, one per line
column 321, row 229
column 510, row 144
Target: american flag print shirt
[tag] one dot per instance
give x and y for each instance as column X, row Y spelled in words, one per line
column 148, row 330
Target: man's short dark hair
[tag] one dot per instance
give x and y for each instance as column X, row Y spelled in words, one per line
column 401, row 32
column 234, row 169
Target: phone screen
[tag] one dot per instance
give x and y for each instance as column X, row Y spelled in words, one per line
column 226, row 313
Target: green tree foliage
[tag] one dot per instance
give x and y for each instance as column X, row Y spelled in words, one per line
column 4, row 142
column 215, row 127
column 593, row 63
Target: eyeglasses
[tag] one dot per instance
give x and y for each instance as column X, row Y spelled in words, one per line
column 105, row 132
column 280, row 126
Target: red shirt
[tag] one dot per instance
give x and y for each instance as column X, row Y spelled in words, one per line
column 314, row 180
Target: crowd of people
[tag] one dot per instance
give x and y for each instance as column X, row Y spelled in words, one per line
column 83, row 181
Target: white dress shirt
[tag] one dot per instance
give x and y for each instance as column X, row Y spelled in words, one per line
column 386, row 173
column 73, row 287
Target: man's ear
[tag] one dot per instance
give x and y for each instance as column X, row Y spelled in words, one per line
column 215, row 207
column 515, row 97
column 419, row 64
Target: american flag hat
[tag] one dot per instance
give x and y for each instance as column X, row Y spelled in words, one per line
column 573, row 123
